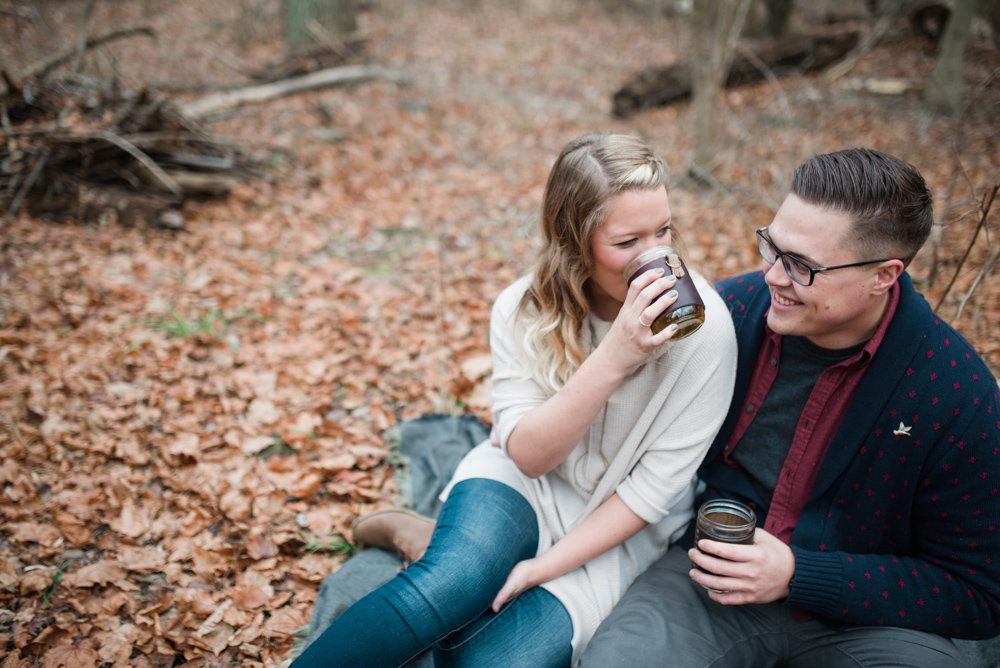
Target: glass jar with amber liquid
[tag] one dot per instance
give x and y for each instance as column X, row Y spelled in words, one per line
column 688, row 312
column 726, row 521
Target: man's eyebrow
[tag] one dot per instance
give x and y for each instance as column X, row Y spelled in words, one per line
column 805, row 258
column 798, row 256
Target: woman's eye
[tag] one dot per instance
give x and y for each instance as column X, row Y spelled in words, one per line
column 625, row 244
column 663, row 231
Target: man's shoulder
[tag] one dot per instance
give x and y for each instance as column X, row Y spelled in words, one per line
column 740, row 285
column 941, row 376
column 940, row 347
column 741, row 292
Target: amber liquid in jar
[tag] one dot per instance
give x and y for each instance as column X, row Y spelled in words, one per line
column 726, row 521
column 688, row 312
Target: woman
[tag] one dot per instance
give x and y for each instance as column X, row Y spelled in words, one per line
column 601, row 426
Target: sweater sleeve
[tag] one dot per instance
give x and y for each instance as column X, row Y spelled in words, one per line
column 514, row 395
column 701, row 375
column 950, row 585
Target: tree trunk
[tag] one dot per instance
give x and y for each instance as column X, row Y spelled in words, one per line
column 944, row 92
column 303, row 17
column 778, row 13
column 990, row 10
column 715, row 25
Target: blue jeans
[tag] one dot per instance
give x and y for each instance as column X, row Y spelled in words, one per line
column 443, row 600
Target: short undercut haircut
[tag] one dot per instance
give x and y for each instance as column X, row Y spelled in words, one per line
column 890, row 207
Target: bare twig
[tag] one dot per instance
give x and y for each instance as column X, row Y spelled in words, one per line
column 867, row 42
column 4, row 116
column 153, row 172
column 29, row 182
column 159, row 178
column 230, row 61
column 43, row 67
column 696, row 171
column 30, row 132
column 983, row 273
column 771, row 79
column 327, row 39
column 81, row 41
column 957, row 146
column 148, row 139
column 779, row 92
column 985, row 212
column 180, row 85
column 331, row 77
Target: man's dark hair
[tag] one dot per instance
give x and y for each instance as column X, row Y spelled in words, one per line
column 890, row 207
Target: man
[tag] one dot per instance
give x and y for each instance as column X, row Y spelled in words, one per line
column 863, row 430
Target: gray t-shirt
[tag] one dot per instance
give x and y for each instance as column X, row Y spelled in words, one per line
column 765, row 444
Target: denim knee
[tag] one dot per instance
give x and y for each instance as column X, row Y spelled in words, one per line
column 532, row 631
column 484, row 530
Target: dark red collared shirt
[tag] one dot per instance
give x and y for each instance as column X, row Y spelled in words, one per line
column 822, row 415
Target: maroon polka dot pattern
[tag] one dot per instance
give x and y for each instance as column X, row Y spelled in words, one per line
column 903, row 527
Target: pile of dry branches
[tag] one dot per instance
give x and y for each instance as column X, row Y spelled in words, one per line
column 76, row 148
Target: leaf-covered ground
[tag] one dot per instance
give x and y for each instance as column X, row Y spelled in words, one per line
column 190, row 421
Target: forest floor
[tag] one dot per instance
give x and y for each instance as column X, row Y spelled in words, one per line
column 191, row 420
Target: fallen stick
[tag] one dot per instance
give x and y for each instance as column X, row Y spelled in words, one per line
column 151, row 172
column 661, row 86
column 331, row 77
column 30, row 181
column 201, row 183
column 43, row 67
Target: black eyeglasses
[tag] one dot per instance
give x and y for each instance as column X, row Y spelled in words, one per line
column 797, row 270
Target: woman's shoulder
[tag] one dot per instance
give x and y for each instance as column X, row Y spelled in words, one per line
column 508, row 300
column 709, row 295
column 718, row 321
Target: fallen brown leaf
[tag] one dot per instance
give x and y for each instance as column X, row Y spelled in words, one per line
column 100, row 573
column 261, row 547
column 71, row 656
column 251, row 596
column 35, row 581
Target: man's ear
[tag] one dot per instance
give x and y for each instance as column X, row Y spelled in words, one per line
column 886, row 275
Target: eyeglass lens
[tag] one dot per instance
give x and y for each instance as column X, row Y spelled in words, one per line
column 797, row 271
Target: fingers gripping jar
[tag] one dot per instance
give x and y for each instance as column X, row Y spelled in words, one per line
column 726, row 521
column 688, row 312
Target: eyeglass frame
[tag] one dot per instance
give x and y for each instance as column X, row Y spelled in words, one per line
column 786, row 258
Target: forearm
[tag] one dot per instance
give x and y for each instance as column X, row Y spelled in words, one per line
column 545, row 436
column 611, row 524
column 906, row 592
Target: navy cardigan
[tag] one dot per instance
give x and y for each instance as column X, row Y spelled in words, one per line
column 900, row 529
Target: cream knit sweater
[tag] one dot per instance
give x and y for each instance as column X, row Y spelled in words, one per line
column 653, row 434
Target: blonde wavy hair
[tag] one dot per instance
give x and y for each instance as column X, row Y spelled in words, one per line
column 590, row 171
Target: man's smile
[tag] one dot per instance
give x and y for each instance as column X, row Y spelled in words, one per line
column 782, row 301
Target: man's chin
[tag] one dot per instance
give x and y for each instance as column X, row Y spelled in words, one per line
column 779, row 325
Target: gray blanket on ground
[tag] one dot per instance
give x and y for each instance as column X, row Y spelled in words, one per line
column 426, row 452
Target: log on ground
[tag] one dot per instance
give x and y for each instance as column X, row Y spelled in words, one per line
column 655, row 87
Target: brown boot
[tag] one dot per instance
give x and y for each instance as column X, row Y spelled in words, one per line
column 395, row 530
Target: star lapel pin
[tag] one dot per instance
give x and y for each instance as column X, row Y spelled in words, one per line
column 902, row 431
